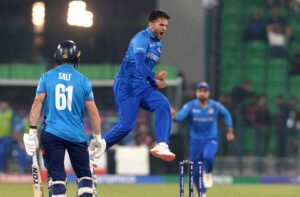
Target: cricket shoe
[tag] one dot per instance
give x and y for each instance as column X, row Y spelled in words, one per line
column 208, row 180
column 162, row 151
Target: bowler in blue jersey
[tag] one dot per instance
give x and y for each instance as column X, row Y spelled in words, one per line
column 136, row 86
column 203, row 114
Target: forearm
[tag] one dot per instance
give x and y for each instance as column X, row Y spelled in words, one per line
column 226, row 117
column 181, row 115
column 230, row 130
column 96, row 122
column 35, row 112
column 95, row 119
column 142, row 67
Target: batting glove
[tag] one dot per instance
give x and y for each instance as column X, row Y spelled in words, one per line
column 97, row 148
column 31, row 141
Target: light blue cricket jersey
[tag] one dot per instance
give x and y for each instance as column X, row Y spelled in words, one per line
column 203, row 121
column 66, row 93
column 143, row 42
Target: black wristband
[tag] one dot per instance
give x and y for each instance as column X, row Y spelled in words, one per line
column 32, row 127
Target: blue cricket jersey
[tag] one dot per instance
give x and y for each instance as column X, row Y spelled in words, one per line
column 66, row 93
column 138, row 76
column 203, row 121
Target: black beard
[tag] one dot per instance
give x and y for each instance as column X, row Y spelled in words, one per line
column 202, row 100
column 156, row 36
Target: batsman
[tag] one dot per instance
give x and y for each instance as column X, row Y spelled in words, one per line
column 64, row 94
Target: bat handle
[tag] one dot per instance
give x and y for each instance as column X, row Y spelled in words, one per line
column 34, row 159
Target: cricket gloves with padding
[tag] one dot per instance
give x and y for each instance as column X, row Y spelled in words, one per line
column 97, row 148
column 31, row 141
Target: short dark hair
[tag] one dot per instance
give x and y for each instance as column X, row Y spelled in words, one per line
column 157, row 14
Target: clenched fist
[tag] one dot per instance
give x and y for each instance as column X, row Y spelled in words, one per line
column 161, row 75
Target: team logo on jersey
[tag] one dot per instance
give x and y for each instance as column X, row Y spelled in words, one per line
column 210, row 110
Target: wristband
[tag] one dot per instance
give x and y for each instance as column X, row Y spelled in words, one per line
column 97, row 136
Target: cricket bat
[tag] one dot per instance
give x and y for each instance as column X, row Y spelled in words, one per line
column 37, row 179
column 94, row 177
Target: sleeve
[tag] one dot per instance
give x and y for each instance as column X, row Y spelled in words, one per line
column 226, row 115
column 152, row 81
column 183, row 112
column 141, row 66
column 140, row 46
column 41, row 88
column 89, row 95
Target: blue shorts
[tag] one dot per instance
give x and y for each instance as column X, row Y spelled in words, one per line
column 53, row 149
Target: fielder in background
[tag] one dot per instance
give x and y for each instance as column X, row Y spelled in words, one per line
column 63, row 93
column 136, row 86
column 203, row 116
column 6, row 125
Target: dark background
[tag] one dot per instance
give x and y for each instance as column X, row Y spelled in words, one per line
column 115, row 22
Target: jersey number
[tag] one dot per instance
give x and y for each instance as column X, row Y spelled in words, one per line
column 63, row 97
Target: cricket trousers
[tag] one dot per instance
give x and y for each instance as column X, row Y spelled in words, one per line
column 203, row 150
column 128, row 103
column 53, row 150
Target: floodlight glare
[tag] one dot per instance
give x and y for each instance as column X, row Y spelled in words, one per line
column 78, row 15
column 38, row 16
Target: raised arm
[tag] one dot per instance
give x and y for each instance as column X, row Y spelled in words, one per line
column 140, row 46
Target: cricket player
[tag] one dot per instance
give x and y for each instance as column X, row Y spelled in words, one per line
column 136, row 86
column 63, row 93
column 203, row 116
column 6, row 122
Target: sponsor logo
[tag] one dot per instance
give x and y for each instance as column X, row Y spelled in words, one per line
column 223, row 180
column 15, row 178
column 207, row 119
column 117, row 179
column 196, row 111
column 152, row 57
column 35, row 175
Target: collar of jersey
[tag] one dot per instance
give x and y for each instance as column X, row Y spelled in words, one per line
column 66, row 66
column 198, row 104
column 150, row 33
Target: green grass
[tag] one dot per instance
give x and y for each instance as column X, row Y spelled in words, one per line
column 164, row 190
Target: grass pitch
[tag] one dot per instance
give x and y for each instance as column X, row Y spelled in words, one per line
column 163, row 190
